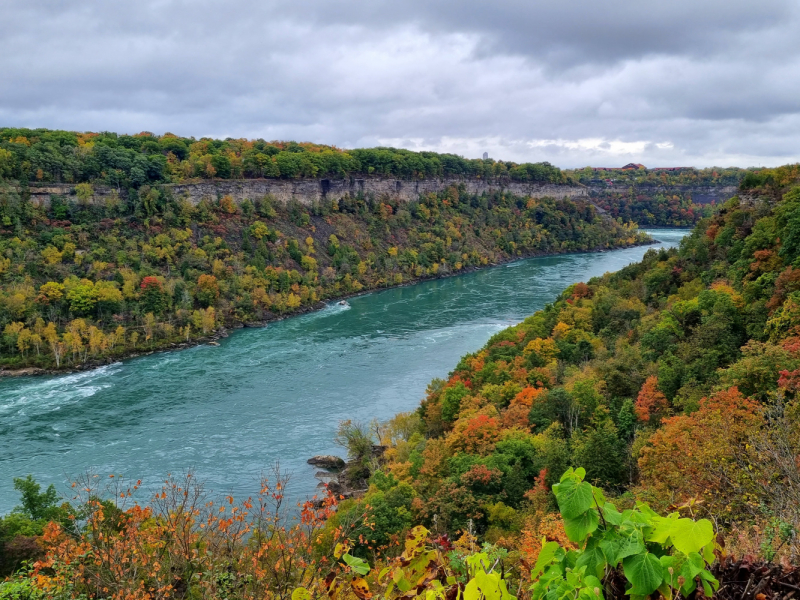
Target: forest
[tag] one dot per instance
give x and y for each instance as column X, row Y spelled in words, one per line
column 83, row 283
column 638, row 437
column 647, row 209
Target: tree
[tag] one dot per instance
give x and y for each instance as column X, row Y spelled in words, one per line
column 153, row 298
column 451, row 400
column 600, row 451
column 84, row 192
column 35, row 504
column 82, row 297
column 207, row 291
column 698, row 455
column 57, row 347
column 50, row 293
column 651, row 404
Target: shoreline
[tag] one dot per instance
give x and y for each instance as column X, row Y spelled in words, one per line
column 225, row 331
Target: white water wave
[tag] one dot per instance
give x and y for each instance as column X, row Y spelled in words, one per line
column 51, row 393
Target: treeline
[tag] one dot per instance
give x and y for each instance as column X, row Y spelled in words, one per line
column 713, row 176
column 82, row 282
column 131, row 161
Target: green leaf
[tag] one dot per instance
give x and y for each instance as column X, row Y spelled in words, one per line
column 690, row 536
column 578, row 528
column 646, row 510
column 358, row 565
column 665, row 590
column 471, row 591
column 546, row 556
column 691, row 568
column 708, row 578
column 662, row 529
column 598, row 496
column 574, row 498
column 592, row 558
column 667, row 563
column 630, row 545
column 611, row 514
column 301, row 593
column 644, row 573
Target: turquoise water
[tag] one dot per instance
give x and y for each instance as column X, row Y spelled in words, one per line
column 230, row 412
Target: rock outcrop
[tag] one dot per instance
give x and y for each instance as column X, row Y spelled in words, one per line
column 327, row 461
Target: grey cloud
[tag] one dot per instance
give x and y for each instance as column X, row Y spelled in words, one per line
column 572, row 82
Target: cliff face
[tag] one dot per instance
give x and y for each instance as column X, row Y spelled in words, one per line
column 700, row 194
column 307, row 191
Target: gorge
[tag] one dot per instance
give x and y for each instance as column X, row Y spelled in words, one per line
column 275, row 393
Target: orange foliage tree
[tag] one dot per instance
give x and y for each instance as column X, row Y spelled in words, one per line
column 699, row 456
column 651, row 404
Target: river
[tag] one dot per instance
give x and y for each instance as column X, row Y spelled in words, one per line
column 229, row 412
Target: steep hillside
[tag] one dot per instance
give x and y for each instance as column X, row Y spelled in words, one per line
column 660, row 197
column 673, row 380
column 83, row 282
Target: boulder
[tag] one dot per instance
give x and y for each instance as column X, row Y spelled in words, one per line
column 326, row 461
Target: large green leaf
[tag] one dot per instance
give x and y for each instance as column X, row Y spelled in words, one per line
column 662, row 529
column 690, row 536
column 574, row 498
column 578, row 528
column 611, row 514
column 691, row 568
column 546, row 556
column 592, row 558
column 359, row 565
column 670, row 563
column 644, row 572
column 630, row 544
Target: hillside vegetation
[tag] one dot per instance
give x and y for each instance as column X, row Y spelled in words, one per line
column 672, row 381
column 658, row 197
column 82, row 283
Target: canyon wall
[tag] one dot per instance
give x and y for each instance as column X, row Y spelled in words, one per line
column 700, row 194
column 308, row 191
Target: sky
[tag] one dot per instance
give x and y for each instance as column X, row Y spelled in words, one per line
column 573, row 82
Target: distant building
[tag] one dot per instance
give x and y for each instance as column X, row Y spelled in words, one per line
column 485, row 156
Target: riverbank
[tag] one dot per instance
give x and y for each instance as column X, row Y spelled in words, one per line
column 223, row 332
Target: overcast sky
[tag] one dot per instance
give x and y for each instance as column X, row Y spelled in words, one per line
column 575, row 82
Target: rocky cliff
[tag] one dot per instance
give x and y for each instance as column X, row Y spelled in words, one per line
column 308, row 191
column 700, row 194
